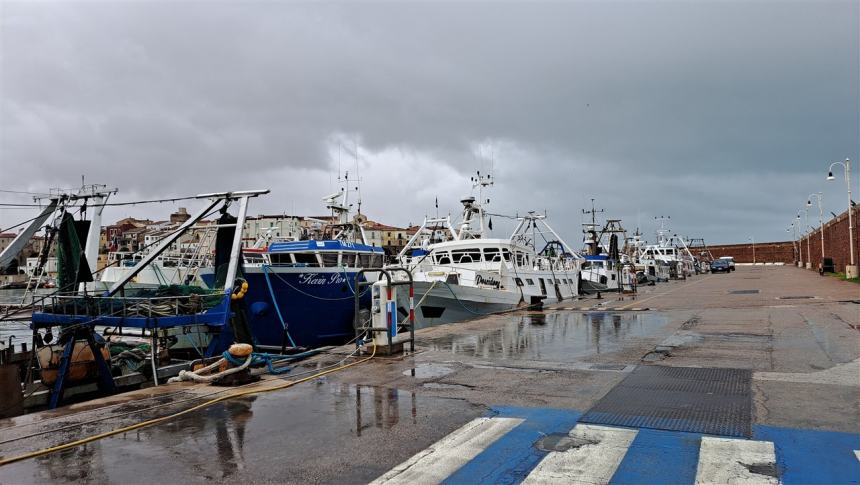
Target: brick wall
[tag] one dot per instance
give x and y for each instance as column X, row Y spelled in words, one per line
column 769, row 252
column 790, row 252
column 835, row 240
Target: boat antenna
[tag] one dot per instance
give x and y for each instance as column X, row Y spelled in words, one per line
column 357, row 177
column 593, row 213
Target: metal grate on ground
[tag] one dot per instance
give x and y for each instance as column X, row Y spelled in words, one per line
column 696, row 400
column 743, row 292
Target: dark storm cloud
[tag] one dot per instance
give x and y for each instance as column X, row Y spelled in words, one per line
column 720, row 114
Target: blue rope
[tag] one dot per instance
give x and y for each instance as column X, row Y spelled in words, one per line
column 275, row 302
column 258, row 358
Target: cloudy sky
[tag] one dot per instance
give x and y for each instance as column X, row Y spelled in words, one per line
column 722, row 115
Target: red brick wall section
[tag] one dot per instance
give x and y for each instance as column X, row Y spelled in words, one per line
column 835, row 240
column 790, row 252
column 769, row 252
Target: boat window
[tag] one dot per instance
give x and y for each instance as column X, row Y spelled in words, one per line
column 348, row 260
column 280, row 259
column 251, row 258
column 492, row 254
column 329, row 259
column 443, row 258
column 453, row 279
column 364, row 261
column 558, row 281
column 521, row 259
column 307, row 259
column 519, row 281
column 530, row 281
column 506, row 255
column 466, row 255
column 376, row 261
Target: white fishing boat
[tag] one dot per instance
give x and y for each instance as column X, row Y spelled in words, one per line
column 670, row 252
column 467, row 275
column 603, row 267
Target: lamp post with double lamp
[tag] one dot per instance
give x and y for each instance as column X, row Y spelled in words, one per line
column 820, row 223
column 752, row 238
column 851, row 269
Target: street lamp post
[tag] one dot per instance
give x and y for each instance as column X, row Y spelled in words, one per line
column 752, row 238
column 851, row 269
column 797, row 235
column 790, row 229
column 808, row 239
column 820, row 221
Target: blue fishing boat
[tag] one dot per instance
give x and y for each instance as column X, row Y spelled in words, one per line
column 301, row 292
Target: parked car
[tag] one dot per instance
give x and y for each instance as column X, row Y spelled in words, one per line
column 730, row 260
column 720, row 266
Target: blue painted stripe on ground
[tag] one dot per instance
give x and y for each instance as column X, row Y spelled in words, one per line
column 513, row 456
column 810, row 457
column 656, row 456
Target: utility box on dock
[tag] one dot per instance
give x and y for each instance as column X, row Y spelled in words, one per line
column 391, row 321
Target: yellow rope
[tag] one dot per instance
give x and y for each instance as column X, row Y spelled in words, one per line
column 143, row 424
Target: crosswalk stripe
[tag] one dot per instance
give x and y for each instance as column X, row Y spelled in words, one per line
column 447, row 455
column 723, row 460
column 594, row 454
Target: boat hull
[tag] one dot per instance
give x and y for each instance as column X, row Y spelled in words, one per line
column 437, row 303
column 317, row 307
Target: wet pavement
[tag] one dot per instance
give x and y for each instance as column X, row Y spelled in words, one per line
column 501, row 400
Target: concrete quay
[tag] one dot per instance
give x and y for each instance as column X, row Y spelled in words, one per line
column 747, row 377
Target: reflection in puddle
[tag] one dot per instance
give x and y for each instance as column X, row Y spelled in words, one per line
column 556, row 336
column 227, row 440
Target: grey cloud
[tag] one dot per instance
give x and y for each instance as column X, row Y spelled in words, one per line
column 627, row 102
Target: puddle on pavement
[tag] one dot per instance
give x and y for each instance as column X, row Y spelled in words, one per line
column 556, row 336
column 428, row 371
column 265, row 437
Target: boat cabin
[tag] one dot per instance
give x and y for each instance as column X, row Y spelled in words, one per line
column 320, row 254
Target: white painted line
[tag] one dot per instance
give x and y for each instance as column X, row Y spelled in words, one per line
column 449, row 454
column 730, row 461
column 857, row 454
column 594, row 456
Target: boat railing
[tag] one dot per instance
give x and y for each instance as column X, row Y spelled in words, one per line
column 129, row 307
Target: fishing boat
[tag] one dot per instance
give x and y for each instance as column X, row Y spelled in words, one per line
column 603, row 268
column 670, row 254
column 467, row 274
column 301, row 292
